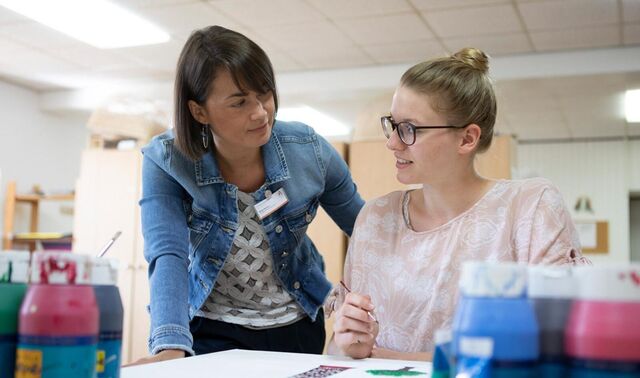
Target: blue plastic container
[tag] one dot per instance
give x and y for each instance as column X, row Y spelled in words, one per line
column 104, row 274
column 495, row 333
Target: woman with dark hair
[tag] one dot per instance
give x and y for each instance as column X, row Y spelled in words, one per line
column 227, row 198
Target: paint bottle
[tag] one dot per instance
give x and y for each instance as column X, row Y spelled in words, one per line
column 104, row 274
column 551, row 291
column 14, row 274
column 58, row 324
column 442, row 354
column 495, row 333
column 602, row 339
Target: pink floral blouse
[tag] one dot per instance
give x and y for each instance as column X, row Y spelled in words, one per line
column 412, row 277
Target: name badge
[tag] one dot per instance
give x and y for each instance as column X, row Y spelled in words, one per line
column 270, row 204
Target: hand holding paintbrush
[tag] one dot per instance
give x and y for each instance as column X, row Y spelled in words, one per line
column 355, row 327
column 348, row 291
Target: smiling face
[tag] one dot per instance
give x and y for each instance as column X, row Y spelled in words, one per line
column 239, row 120
column 434, row 154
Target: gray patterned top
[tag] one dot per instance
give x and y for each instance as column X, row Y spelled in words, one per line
column 247, row 291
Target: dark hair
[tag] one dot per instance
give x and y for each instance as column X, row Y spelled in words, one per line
column 207, row 51
column 461, row 88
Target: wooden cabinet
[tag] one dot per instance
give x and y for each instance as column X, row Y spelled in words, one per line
column 500, row 159
column 107, row 194
column 331, row 242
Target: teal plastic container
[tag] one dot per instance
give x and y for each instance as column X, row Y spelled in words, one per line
column 14, row 268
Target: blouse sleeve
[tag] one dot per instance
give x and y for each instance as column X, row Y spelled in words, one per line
column 554, row 239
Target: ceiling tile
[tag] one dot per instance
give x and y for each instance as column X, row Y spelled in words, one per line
column 282, row 62
column 150, row 3
column 91, row 57
column 568, row 14
column 334, row 57
column 360, row 8
column 492, row 44
column 162, row 56
column 429, row 5
column 31, row 63
column 630, row 10
column 405, row 52
column 37, row 35
column 318, row 35
column 8, row 16
column 395, row 28
column 631, row 34
column 268, row 13
column 474, row 21
column 593, row 113
column 546, row 126
column 576, row 38
column 633, row 129
column 182, row 19
column 610, row 130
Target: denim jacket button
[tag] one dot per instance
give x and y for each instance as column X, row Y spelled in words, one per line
column 278, row 229
column 267, row 193
column 296, row 285
column 283, row 265
column 284, row 254
column 308, row 218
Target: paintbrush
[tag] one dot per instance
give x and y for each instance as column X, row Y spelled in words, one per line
column 109, row 244
column 348, row 291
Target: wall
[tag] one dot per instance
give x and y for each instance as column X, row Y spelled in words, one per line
column 634, row 166
column 634, row 221
column 600, row 170
column 38, row 148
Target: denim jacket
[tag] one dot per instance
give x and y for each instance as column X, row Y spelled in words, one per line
column 190, row 216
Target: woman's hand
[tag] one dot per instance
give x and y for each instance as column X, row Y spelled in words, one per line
column 167, row 354
column 354, row 329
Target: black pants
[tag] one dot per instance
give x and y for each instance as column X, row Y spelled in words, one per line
column 303, row 336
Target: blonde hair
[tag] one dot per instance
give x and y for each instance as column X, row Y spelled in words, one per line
column 460, row 88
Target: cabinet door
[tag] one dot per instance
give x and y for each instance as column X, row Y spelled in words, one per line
column 106, row 201
column 373, row 168
column 331, row 242
column 498, row 161
column 140, row 319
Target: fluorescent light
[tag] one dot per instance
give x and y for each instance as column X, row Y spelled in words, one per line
column 96, row 22
column 632, row 105
column 321, row 123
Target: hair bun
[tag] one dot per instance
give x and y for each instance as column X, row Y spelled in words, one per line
column 473, row 57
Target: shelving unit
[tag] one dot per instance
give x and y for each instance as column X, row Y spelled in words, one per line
column 12, row 198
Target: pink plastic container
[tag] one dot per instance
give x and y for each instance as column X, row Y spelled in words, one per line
column 604, row 321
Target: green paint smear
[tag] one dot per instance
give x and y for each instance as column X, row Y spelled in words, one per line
column 395, row 373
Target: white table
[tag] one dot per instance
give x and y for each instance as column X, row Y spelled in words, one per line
column 244, row 363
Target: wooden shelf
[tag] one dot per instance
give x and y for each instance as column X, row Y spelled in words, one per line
column 33, row 200
column 49, row 197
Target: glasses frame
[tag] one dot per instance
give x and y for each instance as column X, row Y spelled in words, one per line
column 412, row 127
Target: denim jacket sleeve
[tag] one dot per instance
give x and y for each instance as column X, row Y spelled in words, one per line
column 340, row 198
column 166, row 248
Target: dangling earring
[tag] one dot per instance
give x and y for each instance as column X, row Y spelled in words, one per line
column 205, row 136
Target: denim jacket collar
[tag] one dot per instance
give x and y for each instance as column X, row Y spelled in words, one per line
column 275, row 164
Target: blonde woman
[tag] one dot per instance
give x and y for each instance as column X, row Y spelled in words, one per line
column 407, row 247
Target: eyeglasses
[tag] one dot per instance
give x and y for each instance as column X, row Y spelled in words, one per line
column 407, row 130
